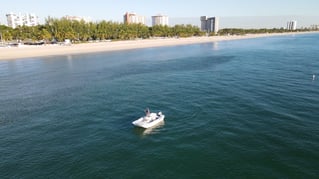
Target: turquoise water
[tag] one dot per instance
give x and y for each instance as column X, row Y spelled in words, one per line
column 234, row 109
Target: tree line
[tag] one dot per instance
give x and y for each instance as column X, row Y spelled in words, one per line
column 58, row 30
column 238, row 31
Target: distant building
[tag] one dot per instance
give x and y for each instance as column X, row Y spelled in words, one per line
column 292, row 25
column 28, row 19
column 314, row 27
column 14, row 20
column 133, row 18
column 77, row 18
column 209, row 24
column 160, row 20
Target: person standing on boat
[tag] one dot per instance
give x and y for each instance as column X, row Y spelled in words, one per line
column 147, row 112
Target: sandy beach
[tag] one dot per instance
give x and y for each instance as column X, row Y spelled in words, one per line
column 10, row 53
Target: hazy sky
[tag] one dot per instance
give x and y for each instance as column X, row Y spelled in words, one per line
column 114, row 10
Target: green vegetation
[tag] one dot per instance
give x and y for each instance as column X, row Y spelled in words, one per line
column 234, row 31
column 24, row 33
column 60, row 29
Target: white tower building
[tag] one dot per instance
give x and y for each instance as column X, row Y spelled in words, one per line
column 15, row 20
column 159, row 20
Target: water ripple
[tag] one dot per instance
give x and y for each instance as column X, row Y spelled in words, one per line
column 247, row 109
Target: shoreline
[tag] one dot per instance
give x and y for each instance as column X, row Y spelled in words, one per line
column 12, row 53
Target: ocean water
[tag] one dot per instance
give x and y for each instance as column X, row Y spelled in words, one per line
column 234, row 109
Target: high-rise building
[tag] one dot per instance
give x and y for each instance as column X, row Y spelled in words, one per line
column 216, row 24
column 209, row 24
column 130, row 18
column 77, row 18
column 14, row 20
column 28, row 19
column 292, row 25
column 159, row 20
column 203, row 24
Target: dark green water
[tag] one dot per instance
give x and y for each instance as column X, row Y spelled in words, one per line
column 236, row 109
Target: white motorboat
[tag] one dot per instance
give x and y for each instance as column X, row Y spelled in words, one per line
column 149, row 120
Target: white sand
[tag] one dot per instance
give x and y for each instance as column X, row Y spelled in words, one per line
column 51, row 50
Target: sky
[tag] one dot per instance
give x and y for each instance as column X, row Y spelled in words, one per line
column 109, row 10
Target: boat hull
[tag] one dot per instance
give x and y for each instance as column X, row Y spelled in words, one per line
column 145, row 122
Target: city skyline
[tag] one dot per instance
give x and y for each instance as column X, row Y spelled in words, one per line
column 98, row 10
